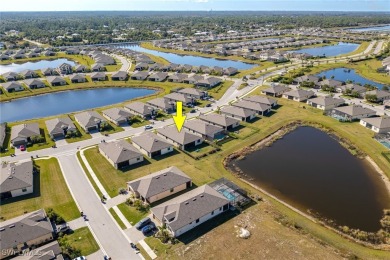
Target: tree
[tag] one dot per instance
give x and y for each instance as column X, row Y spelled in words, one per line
column 371, row 98
column 386, row 88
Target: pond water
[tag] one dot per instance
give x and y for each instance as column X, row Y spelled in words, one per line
column 374, row 28
column 345, row 74
column 310, row 170
column 66, row 102
column 192, row 60
column 331, row 50
column 34, row 65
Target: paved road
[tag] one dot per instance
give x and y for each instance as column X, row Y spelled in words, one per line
column 112, row 240
column 378, row 47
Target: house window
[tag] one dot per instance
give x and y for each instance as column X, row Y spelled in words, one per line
column 171, row 190
column 138, row 159
column 212, row 212
column 24, row 190
column 197, row 221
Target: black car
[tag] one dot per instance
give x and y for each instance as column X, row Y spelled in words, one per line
column 142, row 223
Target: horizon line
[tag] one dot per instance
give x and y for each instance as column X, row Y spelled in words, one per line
column 322, row 11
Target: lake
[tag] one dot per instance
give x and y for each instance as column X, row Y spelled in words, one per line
column 374, row 28
column 345, row 74
column 66, row 102
column 310, row 170
column 192, row 60
column 331, row 50
column 34, row 65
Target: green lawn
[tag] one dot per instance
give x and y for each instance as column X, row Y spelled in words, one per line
column 218, row 91
column 44, row 195
column 159, row 248
column 84, row 135
column 132, row 214
column 89, row 175
column 83, row 240
column 117, row 219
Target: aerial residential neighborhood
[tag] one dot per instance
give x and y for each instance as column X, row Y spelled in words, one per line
column 195, row 130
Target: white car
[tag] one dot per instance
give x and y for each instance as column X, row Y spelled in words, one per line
column 80, row 258
column 148, row 127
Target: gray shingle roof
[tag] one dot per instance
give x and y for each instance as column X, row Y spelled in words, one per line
column 16, row 176
column 3, row 129
column 89, row 118
column 276, row 89
column 261, row 100
column 150, row 142
column 159, row 182
column 251, row 105
column 25, row 131
column 190, row 91
column 140, row 108
column 11, row 85
column 24, row 228
column 119, row 151
column 378, row 93
column 30, row 82
column 57, row 125
column 218, row 119
column 178, row 97
column 202, row 127
column 183, row 137
column 379, row 122
column 161, row 103
column 119, row 74
column 190, row 206
column 237, row 111
column 299, row 93
column 327, row 101
column 117, row 114
column 354, row 110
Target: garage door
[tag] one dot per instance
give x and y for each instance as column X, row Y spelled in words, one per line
column 189, row 145
column 156, row 153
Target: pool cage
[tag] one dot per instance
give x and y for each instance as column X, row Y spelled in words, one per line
column 384, row 139
column 236, row 195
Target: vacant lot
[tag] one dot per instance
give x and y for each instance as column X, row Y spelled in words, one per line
column 50, row 191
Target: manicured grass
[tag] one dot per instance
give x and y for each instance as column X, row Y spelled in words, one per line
column 143, row 252
column 7, row 143
column 117, row 219
column 159, row 248
column 50, row 191
column 100, row 194
column 84, row 135
column 218, row 91
column 116, row 67
column 132, row 214
column 83, row 240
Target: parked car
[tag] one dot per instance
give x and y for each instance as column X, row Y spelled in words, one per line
column 148, row 229
column 80, row 258
column 193, row 111
column 142, row 223
column 22, row 148
column 62, row 227
column 208, row 105
column 148, row 127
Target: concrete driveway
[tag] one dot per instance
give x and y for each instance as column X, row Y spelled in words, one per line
column 134, row 235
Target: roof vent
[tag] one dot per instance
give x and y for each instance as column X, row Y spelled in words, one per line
column 194, row 199
column 157, row 177
column 165, row 174
column 202, row 196
column 11, row 226
column 186, row 203
column 2, row 229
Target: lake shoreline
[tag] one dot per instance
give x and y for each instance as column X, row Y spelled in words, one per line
column 228, row 163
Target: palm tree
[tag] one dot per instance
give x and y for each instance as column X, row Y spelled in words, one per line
column 163, row 234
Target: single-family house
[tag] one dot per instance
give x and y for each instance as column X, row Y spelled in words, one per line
column 275, row 91
column 98, row 67
column 183, row 139
column 12, row 86
column 49, row 72
column 28, row 74
column 261, row 109
column 152, row 145
column 381, row 95
column 352, row 112
column 262, row 100
column 238, row 113
column 159, row 185
column 209, row 82
column 60, row 127
column 307, row 78
column 10, row 76
column 331, row 83
column 140, row 109
column 3, row 132
column 16, row 180
column 77, row 78
column 56, row 81
column 98, row 76
column 22, row 134
column 230, row 71
column 139, row 75
column 185, row 212
column 192, row 92
column 120, row 153
column 158, row 76
column 34, row 83
column 50, row 251
column 162, row 104
column 175, row 97
column 141, row 66
column 89, row 120
column 80, row 68
column 177, row 77
column 379, row 125
column 299, row 95
column 25, row 232
column 118, row 116
column 352, row 88
column 193, row 79
column 325, row 103
column 386, row 103
column 65, row 68
column 119, row 76
column 204, row 129
column 226, row 122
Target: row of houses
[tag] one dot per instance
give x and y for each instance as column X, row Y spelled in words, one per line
column 54, row 81
column 341, row 87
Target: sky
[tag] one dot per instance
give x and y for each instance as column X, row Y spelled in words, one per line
column 189, row 5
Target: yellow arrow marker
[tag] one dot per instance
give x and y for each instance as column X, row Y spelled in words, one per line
column 179, row 118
